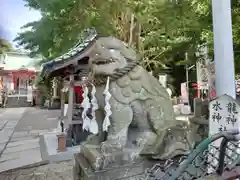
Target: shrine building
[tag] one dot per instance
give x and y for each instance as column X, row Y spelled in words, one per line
column 18, row 72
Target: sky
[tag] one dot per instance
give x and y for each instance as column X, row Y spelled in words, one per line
column 13, row 15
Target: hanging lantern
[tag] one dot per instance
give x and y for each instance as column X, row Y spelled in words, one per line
column 107, row 108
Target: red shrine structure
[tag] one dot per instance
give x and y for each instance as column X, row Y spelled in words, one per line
column 18, row 80
column 17, row 76
column 16, row 71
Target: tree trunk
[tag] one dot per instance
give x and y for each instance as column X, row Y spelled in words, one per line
column 138, row 37
column 131, row 30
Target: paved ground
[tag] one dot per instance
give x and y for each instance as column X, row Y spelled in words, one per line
column 19, row 135
column 57, row 171
column 9, row 118
column 19, row 144
column 38, row 119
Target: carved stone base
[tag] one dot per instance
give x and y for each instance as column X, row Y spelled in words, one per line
column 83, row 170
column 100, row 161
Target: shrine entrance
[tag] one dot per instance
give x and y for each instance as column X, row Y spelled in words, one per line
column 70, row 86
column 72, row 108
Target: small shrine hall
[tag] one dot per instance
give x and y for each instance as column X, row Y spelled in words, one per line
column 16, row 73
column 18, row 80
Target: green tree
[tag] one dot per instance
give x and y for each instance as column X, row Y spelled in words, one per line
column 160, row 30
column 5, row 46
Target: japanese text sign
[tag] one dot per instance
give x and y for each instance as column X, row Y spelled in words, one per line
column 224, row 114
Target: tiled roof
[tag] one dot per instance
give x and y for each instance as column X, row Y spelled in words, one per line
column 78, row 49
column 14, row 61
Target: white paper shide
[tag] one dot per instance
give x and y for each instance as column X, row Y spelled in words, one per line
column 107, row 108
column 93, row 122
column 86, row 105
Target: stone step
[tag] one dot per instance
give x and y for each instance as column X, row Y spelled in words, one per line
column 83, row 170
column 17, row 102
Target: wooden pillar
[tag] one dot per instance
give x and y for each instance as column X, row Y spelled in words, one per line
column 55, row 86
column 37, row 94
column 12, row 83
column 62, row 97
column 70, row 101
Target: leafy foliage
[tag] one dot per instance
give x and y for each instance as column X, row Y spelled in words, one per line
column 162, row 31
column 5, row 46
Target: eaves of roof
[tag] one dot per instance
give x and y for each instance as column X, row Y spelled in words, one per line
column 54, row 65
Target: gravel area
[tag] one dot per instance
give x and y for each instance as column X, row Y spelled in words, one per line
column 56, row 171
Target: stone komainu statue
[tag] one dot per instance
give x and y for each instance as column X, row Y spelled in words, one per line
column 142, row 112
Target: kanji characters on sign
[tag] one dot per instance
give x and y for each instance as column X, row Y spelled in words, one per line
column 216, row 106
column 223, row 114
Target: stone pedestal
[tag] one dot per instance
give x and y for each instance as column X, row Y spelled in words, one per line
column 117, row 157
column 205, row 109
column 61, row 142
column 90, row 164
column 198, row 107
column 83, row 170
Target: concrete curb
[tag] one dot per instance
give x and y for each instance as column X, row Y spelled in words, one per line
column 43, row 148
column 49, row 149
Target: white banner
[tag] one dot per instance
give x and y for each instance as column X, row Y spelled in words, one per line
column 202, row 75
column 211, row 81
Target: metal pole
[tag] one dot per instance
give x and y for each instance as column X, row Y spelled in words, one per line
column 223, row 48
column 187, row 78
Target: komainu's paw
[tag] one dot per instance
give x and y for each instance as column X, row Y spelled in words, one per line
column 105, row 147
column 110, row 146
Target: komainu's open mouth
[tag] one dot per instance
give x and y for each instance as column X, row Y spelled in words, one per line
column 103, row 62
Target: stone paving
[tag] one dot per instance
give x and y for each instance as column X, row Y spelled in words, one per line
column 8, row 121
column 56, row 171
column 38, row 119
column 20, row 140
